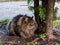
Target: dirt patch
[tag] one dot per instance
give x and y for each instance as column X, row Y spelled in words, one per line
column 35, row 40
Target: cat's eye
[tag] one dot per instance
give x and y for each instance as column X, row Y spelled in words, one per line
column 30, row 24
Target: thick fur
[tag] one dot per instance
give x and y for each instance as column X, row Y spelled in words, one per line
column 23, row 26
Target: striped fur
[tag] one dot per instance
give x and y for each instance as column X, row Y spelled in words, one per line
column 22, row 25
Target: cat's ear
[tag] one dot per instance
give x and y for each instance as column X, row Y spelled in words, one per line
column 33, row 17
column 25, row 14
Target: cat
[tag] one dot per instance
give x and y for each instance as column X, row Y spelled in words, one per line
column 22, row 25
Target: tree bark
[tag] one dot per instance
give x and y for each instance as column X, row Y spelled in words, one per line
column 49, row 18
column 36, row 12
column 44, row 4
column 37, row 17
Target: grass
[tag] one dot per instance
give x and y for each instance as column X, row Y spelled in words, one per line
column 57, row 22
column 5, row 21
column 57, row 43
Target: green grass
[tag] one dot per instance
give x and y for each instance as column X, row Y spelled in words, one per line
column 57, row 43
column 5, row 21
column 57, row 22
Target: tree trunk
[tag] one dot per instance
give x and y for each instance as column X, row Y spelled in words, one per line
column 36, row 12
column 44, row 4
column 37, row 17
column 49, row 18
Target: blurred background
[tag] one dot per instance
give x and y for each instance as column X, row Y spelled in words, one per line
column 11, row 8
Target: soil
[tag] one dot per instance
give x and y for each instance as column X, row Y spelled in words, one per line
column 35, row 40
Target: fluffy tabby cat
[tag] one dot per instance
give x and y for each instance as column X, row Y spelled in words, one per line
column 22, row 25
